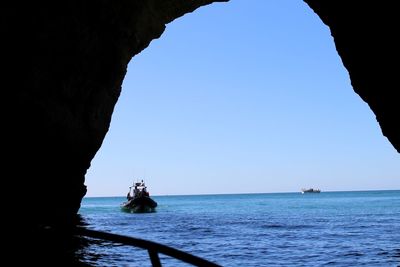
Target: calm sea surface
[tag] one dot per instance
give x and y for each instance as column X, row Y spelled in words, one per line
column 286, row 229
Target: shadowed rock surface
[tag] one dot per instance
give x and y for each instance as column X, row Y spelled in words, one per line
column 64, row 64
column 365, row 35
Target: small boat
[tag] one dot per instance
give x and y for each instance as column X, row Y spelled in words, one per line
column 138, row 200
column 310, row 190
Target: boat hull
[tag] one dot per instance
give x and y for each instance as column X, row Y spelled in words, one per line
column 310, row 191
column 139, row 205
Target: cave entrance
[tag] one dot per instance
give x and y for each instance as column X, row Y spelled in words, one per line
column 237, row 92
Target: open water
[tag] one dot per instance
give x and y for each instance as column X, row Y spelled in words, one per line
column 283, row 229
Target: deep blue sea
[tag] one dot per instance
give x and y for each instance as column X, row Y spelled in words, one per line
column 281, row 229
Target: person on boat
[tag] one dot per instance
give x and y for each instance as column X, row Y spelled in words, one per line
column 128, row 196
column 145, row 193
column 136, row 192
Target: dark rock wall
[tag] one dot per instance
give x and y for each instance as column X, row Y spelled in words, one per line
column 366, row 38
column 64, row 62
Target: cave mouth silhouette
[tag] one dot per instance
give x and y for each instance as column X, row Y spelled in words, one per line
column 64, row 65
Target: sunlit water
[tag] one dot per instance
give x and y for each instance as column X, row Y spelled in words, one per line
column 288, row 229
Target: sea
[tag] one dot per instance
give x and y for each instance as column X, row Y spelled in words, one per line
column 360, row 228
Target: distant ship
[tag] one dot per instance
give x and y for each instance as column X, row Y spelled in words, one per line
column 310, row 190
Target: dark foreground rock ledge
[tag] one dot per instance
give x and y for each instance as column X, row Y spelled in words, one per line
column 63, row 65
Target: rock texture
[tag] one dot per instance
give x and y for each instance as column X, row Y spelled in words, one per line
column 63, row 65
column 365, row 35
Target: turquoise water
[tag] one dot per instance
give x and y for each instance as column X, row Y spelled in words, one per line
column 285, row 229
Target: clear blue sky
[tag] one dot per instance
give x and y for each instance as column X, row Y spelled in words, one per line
column 242, row 97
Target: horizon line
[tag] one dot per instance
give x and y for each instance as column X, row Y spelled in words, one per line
column 254, row 193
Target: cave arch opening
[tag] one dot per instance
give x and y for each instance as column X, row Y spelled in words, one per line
column 259, row 95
